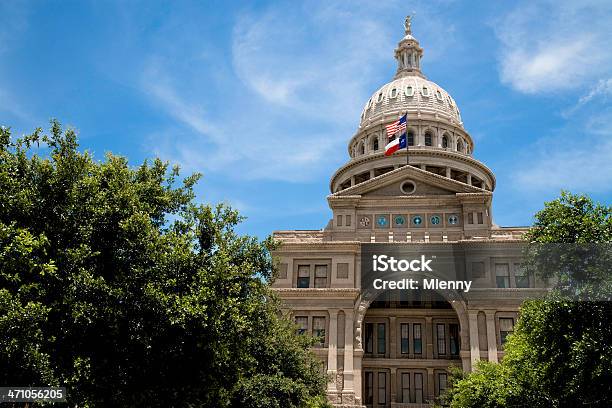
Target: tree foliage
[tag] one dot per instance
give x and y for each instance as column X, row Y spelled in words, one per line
column 116, row 284
column 560, row 354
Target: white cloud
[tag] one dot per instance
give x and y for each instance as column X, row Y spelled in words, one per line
column 577, row 161
column 550, row 46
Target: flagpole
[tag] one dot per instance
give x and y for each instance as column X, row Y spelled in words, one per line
column 407, row 144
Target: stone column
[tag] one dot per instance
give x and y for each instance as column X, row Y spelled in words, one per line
column 474, row 346
column 349, row 391
column 332, row 350
column 392, row 337
column 393, row 380
column 430, row 384
column 448, row 172
column 371, row 174
column 469, row 179
column 491, row 338
column 352, row 181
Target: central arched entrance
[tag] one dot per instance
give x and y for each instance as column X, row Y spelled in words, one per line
column 409, row 341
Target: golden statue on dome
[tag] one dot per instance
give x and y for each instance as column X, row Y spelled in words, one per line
column 408, row 24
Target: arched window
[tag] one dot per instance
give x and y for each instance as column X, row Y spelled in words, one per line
column 362, row 149
column 428, row 139
column 410, row 138
column 445, row 142
column 460, row 145
column 375, row 144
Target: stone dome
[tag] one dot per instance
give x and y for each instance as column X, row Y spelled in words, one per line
column 414, row 94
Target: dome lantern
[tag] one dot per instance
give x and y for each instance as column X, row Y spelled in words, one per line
column 408, row 53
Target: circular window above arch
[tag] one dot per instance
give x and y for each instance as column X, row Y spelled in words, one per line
column 408, row 187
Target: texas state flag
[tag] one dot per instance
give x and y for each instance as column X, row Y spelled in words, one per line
column 398, row 126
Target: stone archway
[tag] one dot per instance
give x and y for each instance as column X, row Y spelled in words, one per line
column 375, row 370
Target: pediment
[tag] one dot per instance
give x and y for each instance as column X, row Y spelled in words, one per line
column 425, row 183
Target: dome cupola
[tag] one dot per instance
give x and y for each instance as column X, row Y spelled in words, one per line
column 408, row 53
column 436, row 138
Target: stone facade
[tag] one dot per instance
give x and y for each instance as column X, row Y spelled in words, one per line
column 392, row 353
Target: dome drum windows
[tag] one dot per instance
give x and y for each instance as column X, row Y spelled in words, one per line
column 375, row 143
column 379, row 98
column 409, row 91
column 428, row 138
column 439, row 95
column 445, row 141
column 410, row 138
column 425, row 92
column 460, row 145
column 393, row 93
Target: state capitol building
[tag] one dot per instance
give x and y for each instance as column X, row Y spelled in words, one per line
column 390, row 351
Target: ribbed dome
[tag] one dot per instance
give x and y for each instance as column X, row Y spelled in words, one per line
column 413, row 94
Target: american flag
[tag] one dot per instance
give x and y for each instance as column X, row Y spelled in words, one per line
column 397, row 127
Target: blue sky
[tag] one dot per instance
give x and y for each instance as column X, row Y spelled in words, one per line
column 262, row 97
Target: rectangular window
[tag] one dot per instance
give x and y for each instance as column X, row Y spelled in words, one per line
column 480, row 219
column 369, row 387
column 442, row 381
column 302, row 323
column 382, row 388
column 521, row 276
column 453, row 333
column 347, row 218
column 380, row 337
column 320, row 276
column 405, row 333
column 303, row 280
column 502, row 275
column 416, row 338
column 369, row 338
column 318, row 329
column 405, row 388
column 506, row 326
column 339, row 220
column 470, row 218
column 441, row 338
column 418, row 388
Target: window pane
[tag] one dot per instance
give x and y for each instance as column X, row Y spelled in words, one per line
column 303, row 280
column 502, row 275
column 506, row 326
column 418, row 388
column 318, row 328
column 404, row 335
column 406, row 387
column 441, row 338
column 453, row 331
column 442, row 379
column 381, row 338
column 416, row 334
column 302, row 322
column 382, row 388
column 369, row 337
column 369, row 386
column 320, row 276
column 303, row 271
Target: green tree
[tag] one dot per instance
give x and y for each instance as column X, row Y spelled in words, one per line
column 560, row 354
column 115, row 284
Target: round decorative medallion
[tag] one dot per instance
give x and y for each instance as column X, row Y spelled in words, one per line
column 453, row 220
column 408, row 187
column 435, row 220
column 382, row 221
column 399, row 220
column 417, row 220
column 364, row 221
